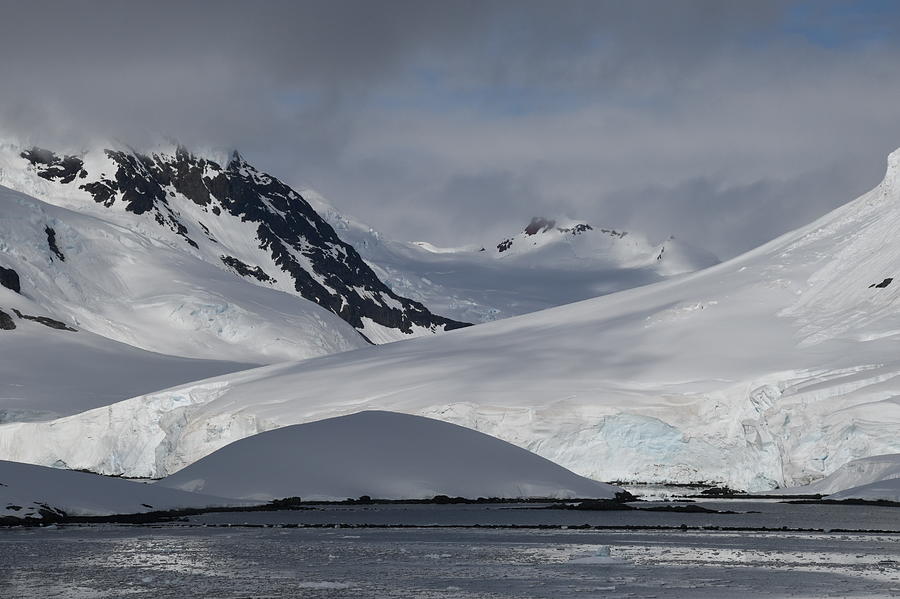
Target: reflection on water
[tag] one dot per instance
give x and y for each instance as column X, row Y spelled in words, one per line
column 171, row 561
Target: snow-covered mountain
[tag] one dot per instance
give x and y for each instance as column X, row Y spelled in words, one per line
column 383, row 455
column 774, row 368
column 548, row 263
column 210, row 215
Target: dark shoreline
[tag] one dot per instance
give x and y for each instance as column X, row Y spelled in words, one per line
column 623, row 503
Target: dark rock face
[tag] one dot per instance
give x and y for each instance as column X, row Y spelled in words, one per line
column 577, row 229
column 538, row 224
column 882, row 284
column 323, row 268
column 614, row 233
column 244, row 269
column 10, row 279
column 51, row 241
column 141, row 180
column 47, row 322
column 6, row 322
column 54, row 168
column 504, row 245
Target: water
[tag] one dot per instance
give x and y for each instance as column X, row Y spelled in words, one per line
column 216, row 555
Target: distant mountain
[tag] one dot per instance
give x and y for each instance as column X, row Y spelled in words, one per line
column 548, row 263
column 227, row 214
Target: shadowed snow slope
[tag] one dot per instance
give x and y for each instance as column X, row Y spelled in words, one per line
column 383, row 455
column 772, row 369
column 882, row 490
column 877, row 477
column 47, row 372
column 549, row 263
column 26, row 491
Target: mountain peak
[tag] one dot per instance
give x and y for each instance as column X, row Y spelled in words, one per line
column 236, row 159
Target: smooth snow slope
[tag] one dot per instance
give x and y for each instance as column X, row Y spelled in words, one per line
column 774, row 368
column 383, row 455
column 550, row 263
column 882, row 490
column 118, row 283
column 26, row 491
column 876, row 477
column 46, row 373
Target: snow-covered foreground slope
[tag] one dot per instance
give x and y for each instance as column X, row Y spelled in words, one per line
column 26, row 491
column 47, row 372
column 774, row 368
column 219, row 213
column 383, row 455
column 882, row 490
column 115, row 282
column 549, row 263
column 876, row 477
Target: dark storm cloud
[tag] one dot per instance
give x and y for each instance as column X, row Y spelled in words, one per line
column 726, row 122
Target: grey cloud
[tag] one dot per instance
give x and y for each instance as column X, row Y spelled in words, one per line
column 458, row 121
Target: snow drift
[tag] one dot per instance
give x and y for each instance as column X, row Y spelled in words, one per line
column 382, row 455
column 873, row 478
column 35, row 492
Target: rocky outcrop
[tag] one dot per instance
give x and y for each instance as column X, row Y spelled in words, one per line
column 9, row 278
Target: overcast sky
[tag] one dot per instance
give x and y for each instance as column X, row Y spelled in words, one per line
column 723, row 123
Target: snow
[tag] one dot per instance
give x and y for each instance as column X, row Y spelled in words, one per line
column 873, row 478
column 738, row 374
column 882, row 490
column 131, row 288
column 46, row 373
column 383, row 455
column 539, row 271
column 26, row 489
